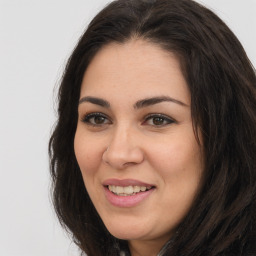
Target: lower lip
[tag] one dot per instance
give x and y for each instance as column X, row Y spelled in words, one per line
column 127, row 201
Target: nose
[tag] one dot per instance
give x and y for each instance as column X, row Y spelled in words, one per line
column 123, row 149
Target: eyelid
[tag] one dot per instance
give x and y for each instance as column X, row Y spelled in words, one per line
column 169, row 119
column 86, row 117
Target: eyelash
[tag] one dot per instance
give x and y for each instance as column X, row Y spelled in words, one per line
column 166, row 119
column 87, row 119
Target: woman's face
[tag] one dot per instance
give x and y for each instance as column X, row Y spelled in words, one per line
column 135, row 144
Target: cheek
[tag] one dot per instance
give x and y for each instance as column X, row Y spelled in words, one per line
column 88, row 153
column 179, row 162
column 180, row 167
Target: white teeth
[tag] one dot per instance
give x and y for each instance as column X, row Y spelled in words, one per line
column 143, row 188
column 112, row 188
column 136, row 189
column 119, row 190
column 128, row 190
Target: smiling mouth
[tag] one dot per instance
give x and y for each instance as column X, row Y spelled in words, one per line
column 128, row 190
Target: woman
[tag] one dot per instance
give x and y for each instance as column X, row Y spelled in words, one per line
column 154, row 149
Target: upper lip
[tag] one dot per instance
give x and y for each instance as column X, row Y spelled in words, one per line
column 126, row 182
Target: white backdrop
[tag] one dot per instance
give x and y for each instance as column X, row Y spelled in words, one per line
column 36, row 37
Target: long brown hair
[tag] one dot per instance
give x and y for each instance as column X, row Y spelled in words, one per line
column 222, row 84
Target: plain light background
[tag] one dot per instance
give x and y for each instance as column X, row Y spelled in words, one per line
column 36, row 38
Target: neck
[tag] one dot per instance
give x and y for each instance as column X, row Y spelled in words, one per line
column 142, row 248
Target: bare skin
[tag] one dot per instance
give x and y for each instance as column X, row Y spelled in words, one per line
column 135, row 124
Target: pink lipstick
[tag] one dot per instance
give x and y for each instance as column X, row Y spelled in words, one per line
column 127, row 192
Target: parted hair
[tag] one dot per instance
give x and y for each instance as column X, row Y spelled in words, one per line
column 222, row 84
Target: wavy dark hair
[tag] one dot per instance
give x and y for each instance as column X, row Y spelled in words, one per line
column 222, row 84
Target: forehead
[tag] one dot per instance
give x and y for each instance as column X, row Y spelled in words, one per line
column 135, row 66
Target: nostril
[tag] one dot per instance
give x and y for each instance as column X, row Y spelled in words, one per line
column 120, row 156
column 130, row 163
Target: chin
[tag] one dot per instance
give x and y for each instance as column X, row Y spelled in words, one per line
column 124, row 235
column 127, row 232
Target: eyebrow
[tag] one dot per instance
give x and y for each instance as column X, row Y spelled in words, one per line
column 155, row 100
column 139, row 104
column 94, row 100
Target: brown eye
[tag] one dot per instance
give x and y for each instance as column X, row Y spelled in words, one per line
column 99, row 119
column 96, row 119
column 158, row 120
